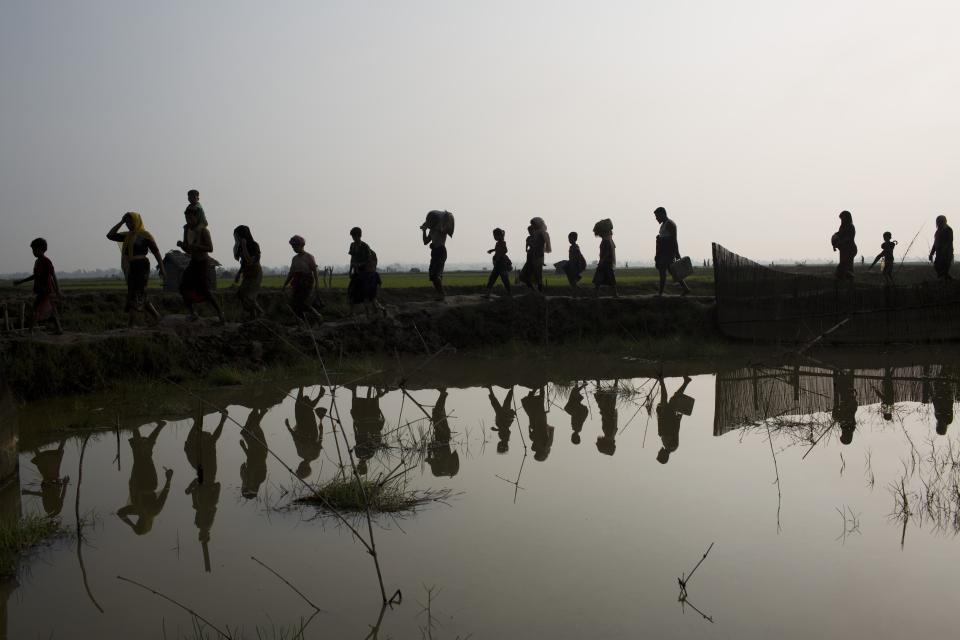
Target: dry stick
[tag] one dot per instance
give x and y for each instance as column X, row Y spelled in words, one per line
column 76, row 508
column 910, row 246
column 776, row 470
column 286, row 582
column 822, row 336
column 179, row 604
column 683, row 581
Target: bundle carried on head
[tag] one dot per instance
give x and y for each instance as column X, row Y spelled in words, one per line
column 539, row 226
column 603, row 227
column 443, row 219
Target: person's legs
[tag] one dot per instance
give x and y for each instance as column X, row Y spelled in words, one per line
column 494, row 274
column 663, row 278
column 505, row 278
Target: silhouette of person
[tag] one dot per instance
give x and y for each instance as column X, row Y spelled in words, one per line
column 201, row 450
column 541, row 433
column 577, row 411
column 943, row 402
column 505, row 415
column 435, row 231
column 368, row 422
column 887, row 395
column 607, row 405
column 306, row 433
column 145, row 503
column 844, row 242
column 53, row 488
column 844, row 404
column 253, row 471
column 667, row 248
column 669, row 414
column 443, row 461
column 941, row 253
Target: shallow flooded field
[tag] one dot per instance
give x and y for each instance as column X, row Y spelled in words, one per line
column 829, row 501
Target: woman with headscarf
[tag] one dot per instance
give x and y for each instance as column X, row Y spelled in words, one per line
column 538, row 244
column 843, row 241
column 303, row 279
column 134, row 245
column 247, row 252
column 197, row 243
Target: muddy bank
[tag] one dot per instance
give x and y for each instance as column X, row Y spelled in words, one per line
column 638, row 326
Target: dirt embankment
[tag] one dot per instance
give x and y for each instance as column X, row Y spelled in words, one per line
column 43, row 366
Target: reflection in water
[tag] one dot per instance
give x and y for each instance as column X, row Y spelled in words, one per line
column 541, row 433
column 145, row 503
column 943, row 401
column 253, row 471
column 577, row 410
column 669, row 413
column 442, row 460
column 306, row 433
column 844, row 404
column 504, row 417
column 607, row 405
column 368, row 422
column 201, row 450
column 53, row 488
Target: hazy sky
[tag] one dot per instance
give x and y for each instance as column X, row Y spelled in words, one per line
column 753, row 122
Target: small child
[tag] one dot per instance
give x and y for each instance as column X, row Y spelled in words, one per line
column 45, row 286
column 576, row 263
column 886, row 253
column 604, row 275
column 502, row 266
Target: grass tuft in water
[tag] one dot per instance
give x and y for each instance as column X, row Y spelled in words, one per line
column 19, row 536
column 348, row 495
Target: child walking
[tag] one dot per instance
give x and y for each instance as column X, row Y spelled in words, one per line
column 886, row 253
column 46, row 288
column 576, row 263
column 501, row 263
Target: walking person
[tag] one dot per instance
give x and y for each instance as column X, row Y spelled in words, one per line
column 436, row 229
column 668, row 249
column 246, row 251
column 502, row 266
column 197, row 243
column 604, row 276
column 844, row 242
column 135, row 242
column 46, row 287
column 576, row 263
column 941, row 254
column 886, row 254
column 538, row 245
column 302, row 280
column 364, row 279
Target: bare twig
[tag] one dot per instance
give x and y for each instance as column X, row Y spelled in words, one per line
column 193, row 613
column 286, row 582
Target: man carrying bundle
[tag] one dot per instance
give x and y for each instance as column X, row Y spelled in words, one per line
column 436, row 228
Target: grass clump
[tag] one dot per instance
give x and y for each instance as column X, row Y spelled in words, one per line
column 17, row 537
column 353, row 495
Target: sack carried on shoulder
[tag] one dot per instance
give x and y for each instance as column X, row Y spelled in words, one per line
column 681, row 269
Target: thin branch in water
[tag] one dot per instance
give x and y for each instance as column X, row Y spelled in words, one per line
column 193, row 613
column 286, row 582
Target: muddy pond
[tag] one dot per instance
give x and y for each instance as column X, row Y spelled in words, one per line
column 829, row 501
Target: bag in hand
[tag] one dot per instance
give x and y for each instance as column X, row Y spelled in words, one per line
column 681, row 269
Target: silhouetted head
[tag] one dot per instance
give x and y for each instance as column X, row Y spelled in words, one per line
column 941, row 221
column 503, row 446
column 575, row 438
column 942, row 427
column 130, row 219
column 845, row 216
column 888, row 416
column 297, row 242
column 887, row 235
column 572, row 237
column 242, row 232
column 846, row 434
column 606, row 446
column 38, row 246
column 193, row 196
column 303, row 470
column 530, row 230
column 499, row 234
column 660, row 214
column 192, row 216
column 356, row 233
column 663, row 456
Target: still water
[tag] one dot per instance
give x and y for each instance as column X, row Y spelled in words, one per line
column 830, row 498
